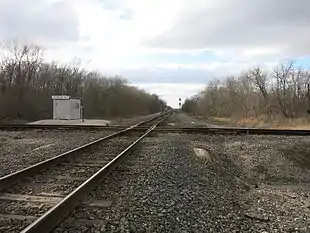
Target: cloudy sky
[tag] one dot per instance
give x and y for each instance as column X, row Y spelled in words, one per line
column 170, row 47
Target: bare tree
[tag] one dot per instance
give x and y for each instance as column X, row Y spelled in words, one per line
column 256, row 93
column 27, row 84
column 282, row 77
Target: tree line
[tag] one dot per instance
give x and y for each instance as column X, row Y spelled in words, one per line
column 27, row 83
column 281, row 92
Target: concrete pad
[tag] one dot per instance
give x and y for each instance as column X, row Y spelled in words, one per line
column 72, row 122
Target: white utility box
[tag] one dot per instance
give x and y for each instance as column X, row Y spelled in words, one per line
column 66, row 107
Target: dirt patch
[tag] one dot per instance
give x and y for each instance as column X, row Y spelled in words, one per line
column 2, row 141
column 241, row 147
column 181, row 119
column 298, row 153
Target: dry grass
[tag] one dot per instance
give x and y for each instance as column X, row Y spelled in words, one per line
column 263, row 122
column 298, row 123
column 221, row 119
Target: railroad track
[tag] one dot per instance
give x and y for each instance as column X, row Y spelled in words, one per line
column 234, row 131
column 142, row 128
column 37, row 198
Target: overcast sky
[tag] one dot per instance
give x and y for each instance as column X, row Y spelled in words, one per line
column 170, row 47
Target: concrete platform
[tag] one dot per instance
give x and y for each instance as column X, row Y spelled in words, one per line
column 72, row 122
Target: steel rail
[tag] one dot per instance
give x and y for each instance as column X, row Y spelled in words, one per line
column 139, row 128
column 52, row 217
column 12, row 178
column 235, row 131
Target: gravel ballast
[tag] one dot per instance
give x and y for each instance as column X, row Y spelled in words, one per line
column 276, row 177
column 165, row 187
column 19, row 149
column 57, row 181
column 186, row 183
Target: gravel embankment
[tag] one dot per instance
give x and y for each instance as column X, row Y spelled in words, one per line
column 19, row 149
column 242, row 184
column 277, row 172
column 165, row 187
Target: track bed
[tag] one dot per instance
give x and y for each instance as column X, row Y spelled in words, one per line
column 166, row 187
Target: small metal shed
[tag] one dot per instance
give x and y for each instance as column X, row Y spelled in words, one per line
column 66, row 107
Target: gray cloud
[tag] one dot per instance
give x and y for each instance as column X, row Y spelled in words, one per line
column 118, row 5
column 242, row 24
column 113, row 4
column 38, row 21
column 127, row 14
column 164, row 75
